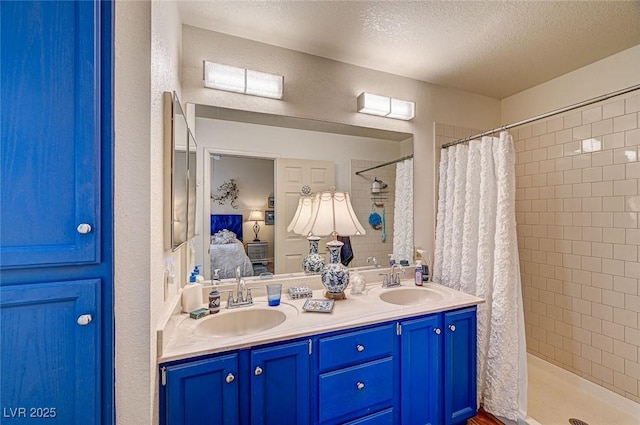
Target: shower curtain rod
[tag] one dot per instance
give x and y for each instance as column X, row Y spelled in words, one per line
column 385, row 164
column 547, row 115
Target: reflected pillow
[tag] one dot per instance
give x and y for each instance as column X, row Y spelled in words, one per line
column 223, row 237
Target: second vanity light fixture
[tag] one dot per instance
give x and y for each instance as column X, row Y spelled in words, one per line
column 240, row 80
column 384, row 106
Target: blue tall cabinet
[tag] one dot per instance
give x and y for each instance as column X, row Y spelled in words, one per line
column 56, row 232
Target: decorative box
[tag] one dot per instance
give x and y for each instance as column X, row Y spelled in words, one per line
column 296, row 292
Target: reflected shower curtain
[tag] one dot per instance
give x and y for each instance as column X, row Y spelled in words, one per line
column 403, row 212
column 477, row 253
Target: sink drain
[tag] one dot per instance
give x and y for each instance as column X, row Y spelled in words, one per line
column 574, row 421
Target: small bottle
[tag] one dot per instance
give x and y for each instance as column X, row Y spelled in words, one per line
column 392, row 260
column 199, row 277
column 214, row 300
column 418, row 273
column 191, row 295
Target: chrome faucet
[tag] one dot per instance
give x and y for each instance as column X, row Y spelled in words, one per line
column 240, row 300
column 393, row 278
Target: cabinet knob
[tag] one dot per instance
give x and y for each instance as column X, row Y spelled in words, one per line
column 84, row 228
column 437, row 331
column 230, row 378
column 84, row 319
column 360, row 385
column 452, row 327
column 258, row 371
column 360, row 347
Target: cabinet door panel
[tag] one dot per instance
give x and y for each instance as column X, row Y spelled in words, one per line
column 460, row 365
column 280, row 384
column 50, row 132
column 49, row 363
column 201, row 392
column 422, row 371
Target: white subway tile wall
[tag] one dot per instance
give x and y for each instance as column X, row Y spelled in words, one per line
column 577, row 209
column 371, row 244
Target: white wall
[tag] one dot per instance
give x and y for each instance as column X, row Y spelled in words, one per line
column 147, row 63
column 608, row 75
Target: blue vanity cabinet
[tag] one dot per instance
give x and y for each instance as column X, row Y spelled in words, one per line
column 202, row 392
column 280, row 384
column 358, row 376
column 460, row 385
column 422, row 371
column 267, row 385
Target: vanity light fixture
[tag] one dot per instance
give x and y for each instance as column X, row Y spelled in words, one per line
column 384, row 106
column 240, row 80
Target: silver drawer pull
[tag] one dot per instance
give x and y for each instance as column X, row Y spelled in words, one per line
column 258, row 371
column 452, row 327
column 437, row 331
column 360, row 385
column 360, row 347
column 230, row 378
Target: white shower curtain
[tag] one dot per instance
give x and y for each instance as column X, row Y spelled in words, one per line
column 403, row 212
column 477, row 253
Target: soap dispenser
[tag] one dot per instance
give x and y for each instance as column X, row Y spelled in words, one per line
column 199, row 277
column 214, row 299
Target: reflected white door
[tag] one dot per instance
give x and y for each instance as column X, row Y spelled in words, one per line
column 291, row 175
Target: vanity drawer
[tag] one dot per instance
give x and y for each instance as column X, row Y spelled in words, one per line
column 379, row 418
column 356, row 347
column 355, row 389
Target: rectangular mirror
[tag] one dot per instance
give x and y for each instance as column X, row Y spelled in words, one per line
column 176, row 179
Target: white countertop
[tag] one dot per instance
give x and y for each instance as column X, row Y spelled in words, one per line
column 177, row 339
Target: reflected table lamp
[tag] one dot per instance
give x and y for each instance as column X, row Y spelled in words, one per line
column 332, row 214
column 313, row 263
column 256, row 216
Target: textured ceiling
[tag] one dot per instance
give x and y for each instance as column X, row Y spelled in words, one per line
column 494, row 48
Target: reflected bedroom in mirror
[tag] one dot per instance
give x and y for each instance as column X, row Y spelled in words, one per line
column 257, row 168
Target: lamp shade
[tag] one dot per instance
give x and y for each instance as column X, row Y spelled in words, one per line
column 332, row 214
column 256, row 215
column 301, row 216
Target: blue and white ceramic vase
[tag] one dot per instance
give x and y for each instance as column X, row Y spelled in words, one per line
column 313, row 262
column 335, row 276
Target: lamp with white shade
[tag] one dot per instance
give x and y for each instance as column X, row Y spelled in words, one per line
column 256, row 216
column 312, row 263
column 332, row 214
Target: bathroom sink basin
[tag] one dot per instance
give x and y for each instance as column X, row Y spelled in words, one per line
column 247, row 321
column 410, row 296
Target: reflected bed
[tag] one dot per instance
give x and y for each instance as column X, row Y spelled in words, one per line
column 226, row 247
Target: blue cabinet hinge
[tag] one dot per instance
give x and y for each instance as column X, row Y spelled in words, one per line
column 398, row 329
column 310, row 346
column 164, row 376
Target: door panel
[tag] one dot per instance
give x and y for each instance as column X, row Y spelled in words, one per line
column 49, row 167
column 203, row 392
column 291, row 175
column 50, row 365
column 280, row 385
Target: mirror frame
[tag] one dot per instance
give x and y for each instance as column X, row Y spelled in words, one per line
column 176, row 210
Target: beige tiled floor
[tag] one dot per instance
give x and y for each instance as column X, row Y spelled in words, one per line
column 555, row 395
